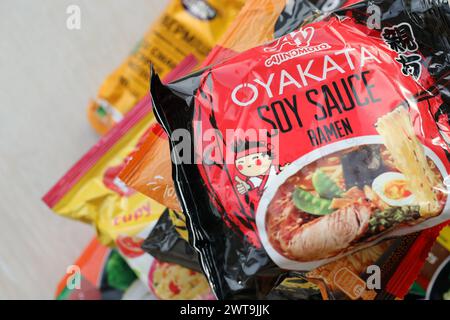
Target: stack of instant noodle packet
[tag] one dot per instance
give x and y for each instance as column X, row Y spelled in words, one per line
column 270, row 149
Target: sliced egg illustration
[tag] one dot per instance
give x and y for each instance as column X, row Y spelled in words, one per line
column 392, row 188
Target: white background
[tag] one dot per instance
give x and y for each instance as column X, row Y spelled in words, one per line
column 47, row 75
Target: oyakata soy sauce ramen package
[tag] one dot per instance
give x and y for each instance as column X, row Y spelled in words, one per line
column 321, row 143
column 186, row 30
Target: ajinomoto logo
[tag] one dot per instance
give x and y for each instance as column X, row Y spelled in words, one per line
column 293, row 45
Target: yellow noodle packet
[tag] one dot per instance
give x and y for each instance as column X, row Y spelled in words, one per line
column 186, row 31
column 92, row 192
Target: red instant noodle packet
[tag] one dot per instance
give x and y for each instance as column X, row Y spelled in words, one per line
column 313, row 146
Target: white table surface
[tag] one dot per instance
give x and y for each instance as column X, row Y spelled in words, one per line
column 47, row 75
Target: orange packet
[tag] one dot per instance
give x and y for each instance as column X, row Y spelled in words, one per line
column 149, row 170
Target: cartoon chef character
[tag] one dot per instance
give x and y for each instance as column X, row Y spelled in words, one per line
column 254, row 160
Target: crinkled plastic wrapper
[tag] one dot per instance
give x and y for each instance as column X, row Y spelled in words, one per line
column 316, row 145
column 166, row 244
column 185, row 33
